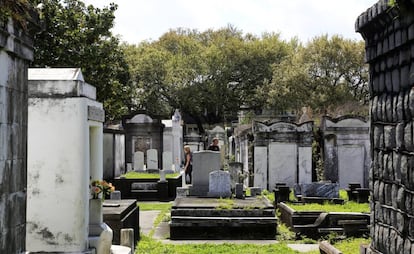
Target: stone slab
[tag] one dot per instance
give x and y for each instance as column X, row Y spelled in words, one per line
column 324, row 190
column 219, row 184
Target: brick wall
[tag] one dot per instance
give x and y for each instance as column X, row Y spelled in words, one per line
column 389, row 36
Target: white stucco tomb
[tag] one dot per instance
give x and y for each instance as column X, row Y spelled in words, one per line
column 65, row 137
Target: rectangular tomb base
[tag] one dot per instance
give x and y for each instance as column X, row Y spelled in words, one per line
column 214, row 218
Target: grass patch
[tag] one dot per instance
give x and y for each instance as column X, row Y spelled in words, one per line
column 349, row 206
column 151, row 246
column 148, row 206
column 351, row 246
column 347, row 246
column 225, row 203
column 139, row 175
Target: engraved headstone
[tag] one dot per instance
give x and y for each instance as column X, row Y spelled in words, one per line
column 260, row 167
column 138, row 163
column 219, row 184
column 152, row 159
column 167, row 160
column 204, row 162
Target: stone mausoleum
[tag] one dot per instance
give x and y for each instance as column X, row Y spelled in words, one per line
column 389, row 39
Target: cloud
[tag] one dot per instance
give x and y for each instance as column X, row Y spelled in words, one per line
column 143, row 20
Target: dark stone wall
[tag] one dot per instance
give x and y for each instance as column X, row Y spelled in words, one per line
column 389, row 37
column 15, row 54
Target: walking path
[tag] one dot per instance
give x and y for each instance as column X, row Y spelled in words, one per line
column 146, row 222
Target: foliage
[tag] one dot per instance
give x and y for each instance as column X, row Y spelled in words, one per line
column 207, row 75
column 269, row 195
column 326, row 74
column 225, row 203
column 137, row 175
column 18, row 10
column 284, row 233
column 79, row 36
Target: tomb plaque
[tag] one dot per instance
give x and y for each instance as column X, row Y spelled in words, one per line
column 204, row 162
column 219, row 184
column 260, row 167
column 138, row 161
column 152, row 159
column 167, row 160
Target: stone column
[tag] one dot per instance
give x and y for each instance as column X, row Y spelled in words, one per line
column 389, row 39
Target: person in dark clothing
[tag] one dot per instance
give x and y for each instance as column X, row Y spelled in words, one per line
column 188, row 164
column 214, row 145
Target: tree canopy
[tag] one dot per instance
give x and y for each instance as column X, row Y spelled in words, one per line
column 77, row 35
column 206, row 74
column 326, row 74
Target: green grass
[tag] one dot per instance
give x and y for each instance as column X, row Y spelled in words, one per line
column 138, row 175
column 349, row 206
column 347, row 246
column 148, row 206
column 351, row 246
column 285, row 236
column 151, row 246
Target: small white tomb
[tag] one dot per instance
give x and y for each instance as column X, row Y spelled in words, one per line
column 65, row 153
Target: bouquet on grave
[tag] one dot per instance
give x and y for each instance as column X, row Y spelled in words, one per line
column 101, row 188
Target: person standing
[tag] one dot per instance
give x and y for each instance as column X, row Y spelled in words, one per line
column 188, row 164
column 214, row 145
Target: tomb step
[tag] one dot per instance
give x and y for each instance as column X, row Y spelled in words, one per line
column 329, row 230
column 118, row 249
column 222, row 218
column 224, row 212
column 214, row 221
column 227, row 231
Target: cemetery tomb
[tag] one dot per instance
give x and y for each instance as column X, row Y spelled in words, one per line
column 204, row 162
column 346, row 149
column 213, row 218
column 65, row 153
column 142, row 133
column 282, row 153
column 388, row 32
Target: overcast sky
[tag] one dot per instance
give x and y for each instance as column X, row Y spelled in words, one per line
column 138, row 20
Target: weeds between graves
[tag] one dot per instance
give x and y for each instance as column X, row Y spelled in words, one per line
column 139, row 175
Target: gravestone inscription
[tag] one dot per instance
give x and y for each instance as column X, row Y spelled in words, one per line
column 219, row 184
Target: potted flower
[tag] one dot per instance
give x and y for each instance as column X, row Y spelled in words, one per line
column 101, row 188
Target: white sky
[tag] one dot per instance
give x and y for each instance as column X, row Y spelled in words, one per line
column 138, row 20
